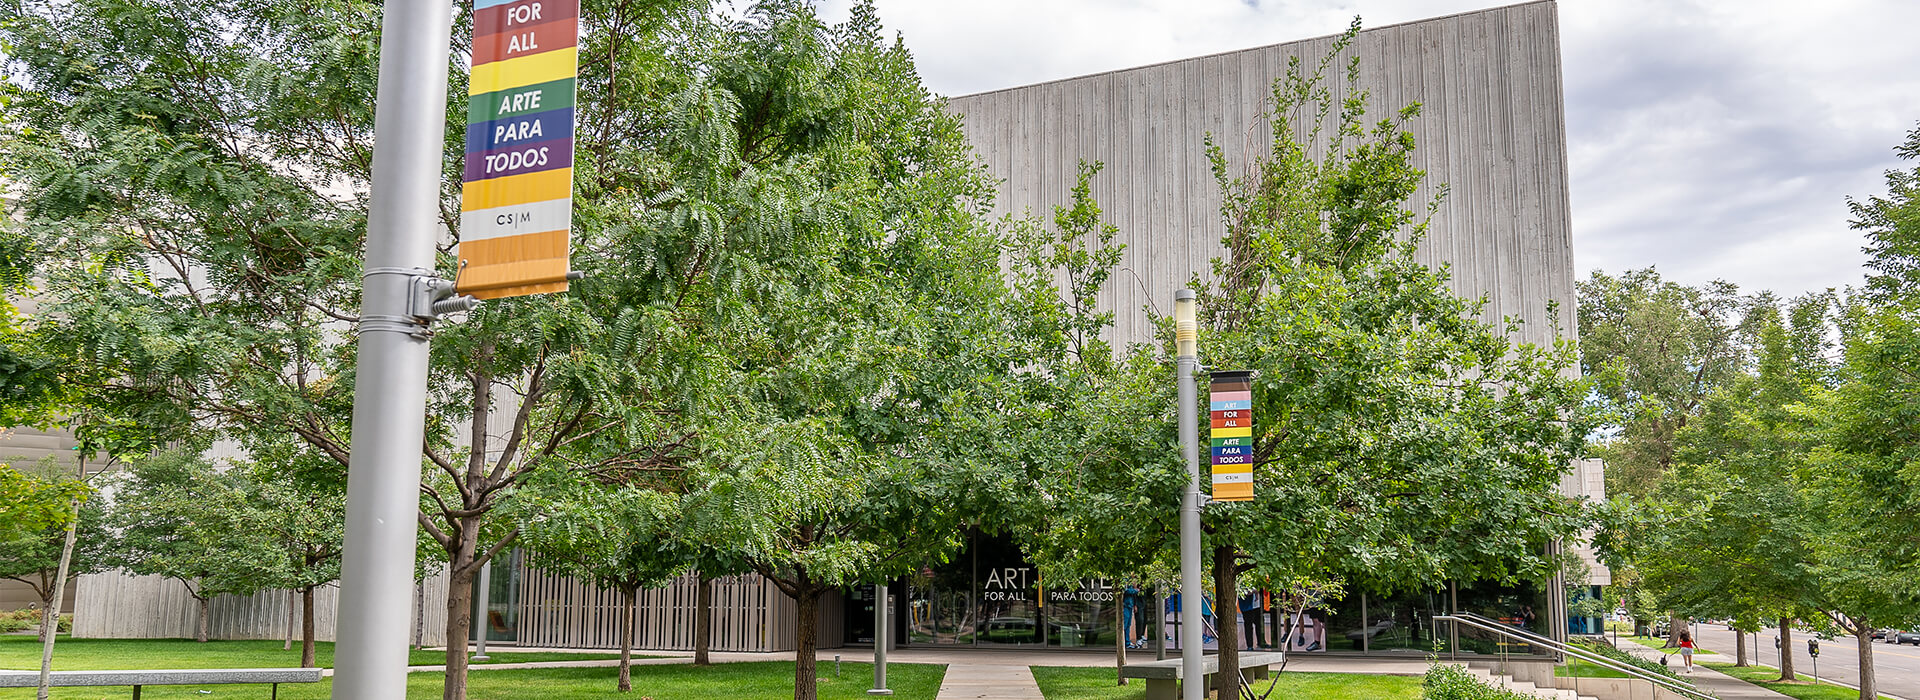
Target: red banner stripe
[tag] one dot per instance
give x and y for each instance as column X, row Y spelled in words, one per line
column 517, row 16
column 526, row 41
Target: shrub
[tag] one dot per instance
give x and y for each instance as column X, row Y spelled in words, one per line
column 1450, row 682
column 17, row 620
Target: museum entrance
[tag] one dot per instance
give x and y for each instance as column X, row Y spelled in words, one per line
column 991, row 596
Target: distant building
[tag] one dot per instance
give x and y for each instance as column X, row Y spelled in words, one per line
column 1492, row 129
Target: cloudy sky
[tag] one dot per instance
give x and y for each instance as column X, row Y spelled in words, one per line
column 1710, row 138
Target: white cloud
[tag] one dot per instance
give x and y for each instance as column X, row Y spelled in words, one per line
column 1714, row 139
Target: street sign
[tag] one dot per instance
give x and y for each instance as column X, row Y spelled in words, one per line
column 1231, row 398
column 516, row 206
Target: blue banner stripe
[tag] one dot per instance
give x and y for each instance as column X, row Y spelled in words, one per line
column 521, row 130
column 1232, row 405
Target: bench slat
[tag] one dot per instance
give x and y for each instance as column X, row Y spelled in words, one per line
column 1209, row 664
column 195, row 676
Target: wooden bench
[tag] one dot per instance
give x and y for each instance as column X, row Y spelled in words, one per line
column 197, row 676
column 1163, row 677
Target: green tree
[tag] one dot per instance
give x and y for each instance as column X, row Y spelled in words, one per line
column 1654, row 350
column 178, row 516
column 616, row 536
column 33, row 559
column 29, row 505
column 205, row 173
column 1394, row 429
column 304, row 504
column 1892, row 225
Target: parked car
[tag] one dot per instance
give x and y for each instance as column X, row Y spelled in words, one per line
column 1907, row 637
column 1882, row 633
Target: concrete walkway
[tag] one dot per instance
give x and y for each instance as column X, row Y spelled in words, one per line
column 1719, row 684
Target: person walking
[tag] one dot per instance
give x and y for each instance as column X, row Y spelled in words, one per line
column 1686, row 649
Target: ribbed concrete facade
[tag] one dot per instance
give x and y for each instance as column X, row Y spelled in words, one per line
column 1492, row 128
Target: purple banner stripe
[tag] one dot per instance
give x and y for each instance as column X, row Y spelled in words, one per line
column 515, row 160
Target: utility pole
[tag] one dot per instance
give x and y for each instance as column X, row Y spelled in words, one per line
column 399, row 298
column 1186, row 341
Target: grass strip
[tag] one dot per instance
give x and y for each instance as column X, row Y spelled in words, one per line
column 1576, row 668
column 764, row 680
column 22, row 652
column 1766, row 677
column 1097, row 683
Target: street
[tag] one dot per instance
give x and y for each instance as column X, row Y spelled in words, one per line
column 1896, row 667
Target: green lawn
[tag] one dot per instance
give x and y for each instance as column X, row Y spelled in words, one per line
column 23, row 652
column 1080, row 683
column 1577, row 668
column 1660, row 644
column 1805, row 690
column 747, row 681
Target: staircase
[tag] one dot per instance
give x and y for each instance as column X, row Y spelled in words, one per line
column 1526, row 678
column 1535, row 677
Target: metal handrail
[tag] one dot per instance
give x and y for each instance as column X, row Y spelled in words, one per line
column 1496, row 627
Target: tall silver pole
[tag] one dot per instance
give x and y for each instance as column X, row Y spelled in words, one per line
column 1192, row 678
column 880, row 640
column 389, row 396
column 481, row 603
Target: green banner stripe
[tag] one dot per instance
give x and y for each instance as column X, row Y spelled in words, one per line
column 516, row 101
column 1232, row 441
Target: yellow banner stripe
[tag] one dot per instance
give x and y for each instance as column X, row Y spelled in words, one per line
column 1220, row 432
column 517, row 189
column 557, row 64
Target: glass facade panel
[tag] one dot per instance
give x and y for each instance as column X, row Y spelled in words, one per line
column 992, row 596
column 1085, row 615
column 502, row 623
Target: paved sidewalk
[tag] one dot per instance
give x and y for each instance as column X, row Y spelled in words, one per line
column 1714, row 682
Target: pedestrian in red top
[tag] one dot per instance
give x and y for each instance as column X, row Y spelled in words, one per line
column 1686, row 649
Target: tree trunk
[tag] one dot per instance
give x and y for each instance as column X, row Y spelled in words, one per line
column 419, row 611
column 627, row 595
column 806, row 631
column 1226, row 626
column 205, row 602
column 1739, row 648
column 459, row 616
column 1785, row 651
column 1675, row 624
column 307, row 659
column 1126, row 634
column 1863, row 636
column 703, row 622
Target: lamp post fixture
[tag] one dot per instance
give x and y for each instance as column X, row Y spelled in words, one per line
column 1186, row 342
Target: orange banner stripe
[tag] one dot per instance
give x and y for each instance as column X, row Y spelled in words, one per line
column 508, row 261
column 1233, row 492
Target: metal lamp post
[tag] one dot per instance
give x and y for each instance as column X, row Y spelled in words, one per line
column 879, row 641
column 390, row 391
column 481, row 602
column 1186, row 341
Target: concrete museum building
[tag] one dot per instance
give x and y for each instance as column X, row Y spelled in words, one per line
column 1492, row 130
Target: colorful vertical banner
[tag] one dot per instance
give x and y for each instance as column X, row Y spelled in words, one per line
column 516, row 206
column 1231, row 395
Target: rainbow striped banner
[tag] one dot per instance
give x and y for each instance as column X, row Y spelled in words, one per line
column 1231, row 399
column 516, row 204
